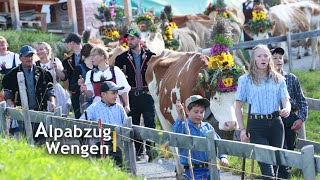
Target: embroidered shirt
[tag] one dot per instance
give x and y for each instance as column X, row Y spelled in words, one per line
column 264, row 98
column 111, row 114
column 297, row 99
column 179, row 127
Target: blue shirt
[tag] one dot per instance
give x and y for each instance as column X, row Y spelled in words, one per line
column 137, row 63
column 297, row 99
column 77, row 58
column 264, row 98
column 179, row 127
column 31, row 91
column 113, row 114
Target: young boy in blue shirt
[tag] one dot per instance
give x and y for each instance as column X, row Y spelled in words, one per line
column 195, row 108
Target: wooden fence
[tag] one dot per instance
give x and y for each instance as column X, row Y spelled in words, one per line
column 305, row 160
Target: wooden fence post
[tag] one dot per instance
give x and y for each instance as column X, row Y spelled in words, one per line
column 25, row 106
column 302, row 131
column 3, row 124
column 212, row 153
column 308, row 163
column 289, row 51
column 129, row 148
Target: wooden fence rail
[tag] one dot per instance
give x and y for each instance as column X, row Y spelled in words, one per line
column 305, row 160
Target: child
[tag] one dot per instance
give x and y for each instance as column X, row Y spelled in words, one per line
column 195, row 108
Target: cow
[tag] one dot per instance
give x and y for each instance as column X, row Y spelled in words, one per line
column 173, row 75
column 294, row 17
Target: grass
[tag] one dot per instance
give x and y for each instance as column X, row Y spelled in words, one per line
column 18, row 160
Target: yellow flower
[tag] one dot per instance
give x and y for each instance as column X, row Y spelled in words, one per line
column 124, row 45
column 212, row 62
column 225, row 15
column 170, row 37
column 165, row 37
column 102, row 5
column 227, row 82
column 115, row 34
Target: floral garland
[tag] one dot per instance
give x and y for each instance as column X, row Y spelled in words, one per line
column 169, row 41
column 145, row 22
column 259, row 22
column 123, row 42
column 222, row 73
column 220, row 9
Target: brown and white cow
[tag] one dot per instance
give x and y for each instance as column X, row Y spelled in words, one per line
column 294, row 17
column 173, row 75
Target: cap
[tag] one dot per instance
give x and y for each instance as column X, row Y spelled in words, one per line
column 26, row 50
column 75, row 37
column 277, row 50
column 195, row 98
column 110, row 86
column 132, row 32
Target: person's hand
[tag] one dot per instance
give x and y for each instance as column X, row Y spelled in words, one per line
column 296, row 125
column 285, row 112
column 83, row 88
column 243, row 136
column 80, row 81
column 224, row 161
column 127, row 109
column 180, row 109
column 52, row 105
column 54, row 65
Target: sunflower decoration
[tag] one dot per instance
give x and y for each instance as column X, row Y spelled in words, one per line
column 145, row 22
column 167, row 26
column 107, row 15
column 222, row 74
column 219, row 8
column 259, row 22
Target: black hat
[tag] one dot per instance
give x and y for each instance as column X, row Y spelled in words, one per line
column 277, row 50
column 26, row 50
column 110, row 86
column 75, row 37
column 132, row 32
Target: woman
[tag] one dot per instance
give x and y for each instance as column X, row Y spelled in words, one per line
column 54, row 66
column 103, row 72
column 80, row 73
column 8, row 60
column 264, row 89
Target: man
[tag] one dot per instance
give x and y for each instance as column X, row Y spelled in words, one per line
column 134, row 64
column 299, row 111
column 39, row 84
column 73, row 41
column 109, row 112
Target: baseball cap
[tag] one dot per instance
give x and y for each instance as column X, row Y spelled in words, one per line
column 277, row 50
column 75, row 37
column 110, row 86
column 132, row 32
column 26, row 50
column 195, row 98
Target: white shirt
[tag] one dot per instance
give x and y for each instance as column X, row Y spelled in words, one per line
column 8, row 60
column 120, row 79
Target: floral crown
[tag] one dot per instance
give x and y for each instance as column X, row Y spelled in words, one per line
column 222, row 74
column 220, row 8
column 146, row 17
column 259, row 22
column 167, row 25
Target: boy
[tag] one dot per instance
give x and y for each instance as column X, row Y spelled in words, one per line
column 195, row 108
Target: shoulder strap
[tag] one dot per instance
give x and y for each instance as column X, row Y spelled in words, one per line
column 91, row 75
column 113, row 74
column 14, row 60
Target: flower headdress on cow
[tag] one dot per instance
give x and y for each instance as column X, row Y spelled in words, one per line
column 167, row 25
column 220, row 8
column 222, row 74
column 107, row 15
column 259, row 22
column 145, row 21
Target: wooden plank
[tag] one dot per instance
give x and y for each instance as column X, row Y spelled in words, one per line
column 314, row 104
column 15, row 16
column 25, row 106
column 289, row 51
column 15, row 114
column 212, row 153
column 234, row 148
column 307, row 160
column 174, row 139
column 3, row 124
column 39, row 2
column 302, row 142
column 72, row 14
column 317, row 160
column 127, row 11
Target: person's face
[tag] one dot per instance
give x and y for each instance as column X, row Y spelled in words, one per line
column 133, row 42
column 27, row 61
column 109, row 97
column 196, row 114
column 3, row 48
column 277, row 61
column 97, row 59
column 262, row 58
column 42, row 51
column 70, row 46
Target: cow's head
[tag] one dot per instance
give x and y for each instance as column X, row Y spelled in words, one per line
column 153, row 41
column 261, row 35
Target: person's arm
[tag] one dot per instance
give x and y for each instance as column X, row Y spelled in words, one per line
column 87, row 87
column 8, row 97
column 178, row 126
column 300, row 100
column 286, row 106
column 58, row 67
column 122, row 81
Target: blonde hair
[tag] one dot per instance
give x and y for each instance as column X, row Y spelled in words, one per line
column 2, row 39
column 99, row 50
column 253, row 69
column 47, row 47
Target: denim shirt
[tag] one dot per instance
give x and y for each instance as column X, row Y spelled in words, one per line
column 31, row 91
column 179, row 127
column 264, row 98
column 137, row 63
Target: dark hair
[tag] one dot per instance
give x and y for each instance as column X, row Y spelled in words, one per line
column 196, row 104
column 85, row 51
